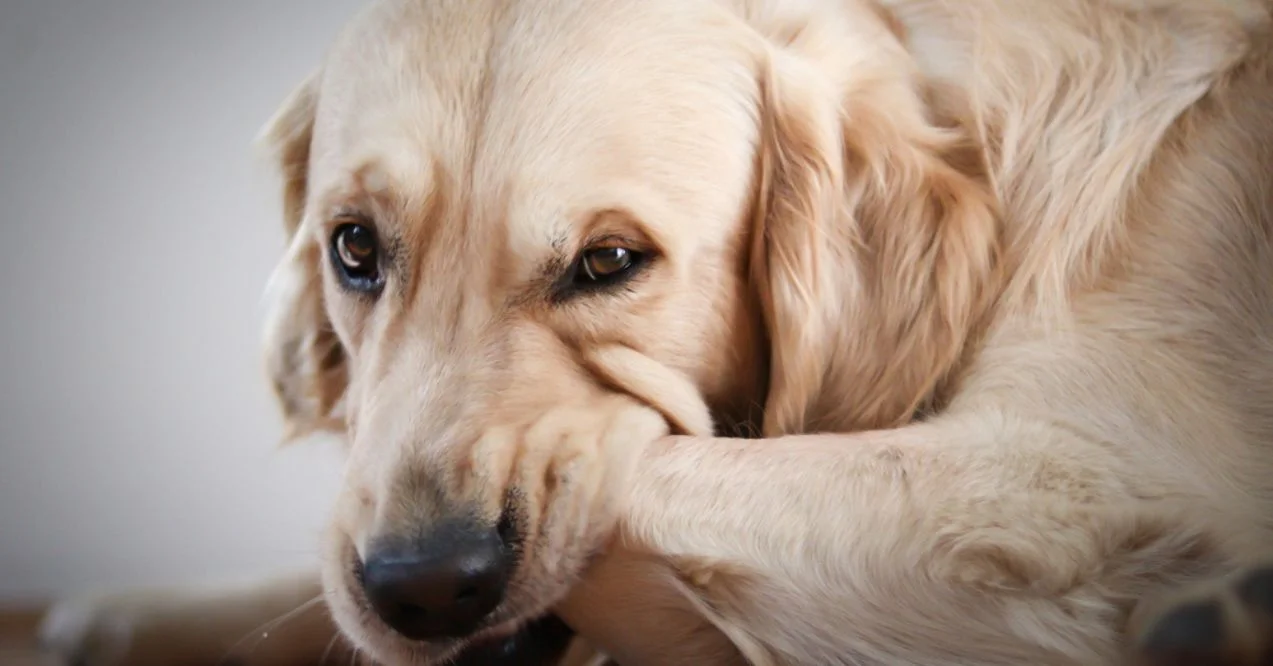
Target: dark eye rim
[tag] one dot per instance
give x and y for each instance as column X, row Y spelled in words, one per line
column 370, row 282
column 575, row 281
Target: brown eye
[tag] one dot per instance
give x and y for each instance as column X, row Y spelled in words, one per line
column 600, row 268
column 357, row 256
column 606, row 263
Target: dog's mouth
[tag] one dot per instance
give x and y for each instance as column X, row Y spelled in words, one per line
column 540, row 642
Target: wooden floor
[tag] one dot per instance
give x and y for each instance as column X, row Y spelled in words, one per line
column 17, row 638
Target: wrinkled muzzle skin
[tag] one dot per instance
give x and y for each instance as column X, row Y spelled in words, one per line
column 509, row 432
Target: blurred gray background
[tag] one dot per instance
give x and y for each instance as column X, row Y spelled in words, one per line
column 139, row 224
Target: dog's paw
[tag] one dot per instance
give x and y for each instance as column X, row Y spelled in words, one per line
column 576, row 465
column 565, row 476
column 87, row 632
column 1224, row 622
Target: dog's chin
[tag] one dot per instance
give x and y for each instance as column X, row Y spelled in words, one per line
column 538, row 642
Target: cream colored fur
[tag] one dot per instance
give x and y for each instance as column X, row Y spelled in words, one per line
column 993, row 278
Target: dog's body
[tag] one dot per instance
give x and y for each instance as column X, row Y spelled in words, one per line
column 1023, row 249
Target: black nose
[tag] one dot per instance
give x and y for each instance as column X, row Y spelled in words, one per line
column 442, row 586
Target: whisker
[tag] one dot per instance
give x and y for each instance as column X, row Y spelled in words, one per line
column 328, row 652
column 265, row 628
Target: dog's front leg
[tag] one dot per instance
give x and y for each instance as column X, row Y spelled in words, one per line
column 280, row 621
column 964, row 540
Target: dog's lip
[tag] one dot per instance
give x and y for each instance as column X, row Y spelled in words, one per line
column 529, row 644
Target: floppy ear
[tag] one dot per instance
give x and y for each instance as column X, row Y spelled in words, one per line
column 874, row 247
column 304, row 358
column 800, row 197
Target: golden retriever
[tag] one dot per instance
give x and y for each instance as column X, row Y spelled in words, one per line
column 993, row 279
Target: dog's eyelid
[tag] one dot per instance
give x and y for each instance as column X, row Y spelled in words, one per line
column 610, row 241
column 349, row 215
column 618, row 226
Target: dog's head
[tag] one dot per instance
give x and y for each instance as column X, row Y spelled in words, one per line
column 500, row 210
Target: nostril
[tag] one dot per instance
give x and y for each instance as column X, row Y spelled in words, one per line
column 507, row 527
column 360, row 571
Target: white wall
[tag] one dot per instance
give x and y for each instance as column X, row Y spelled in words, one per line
column 138, row 226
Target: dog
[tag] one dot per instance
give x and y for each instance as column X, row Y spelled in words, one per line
column 773, row 332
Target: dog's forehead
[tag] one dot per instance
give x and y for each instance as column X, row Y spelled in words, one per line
column 533, row 114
